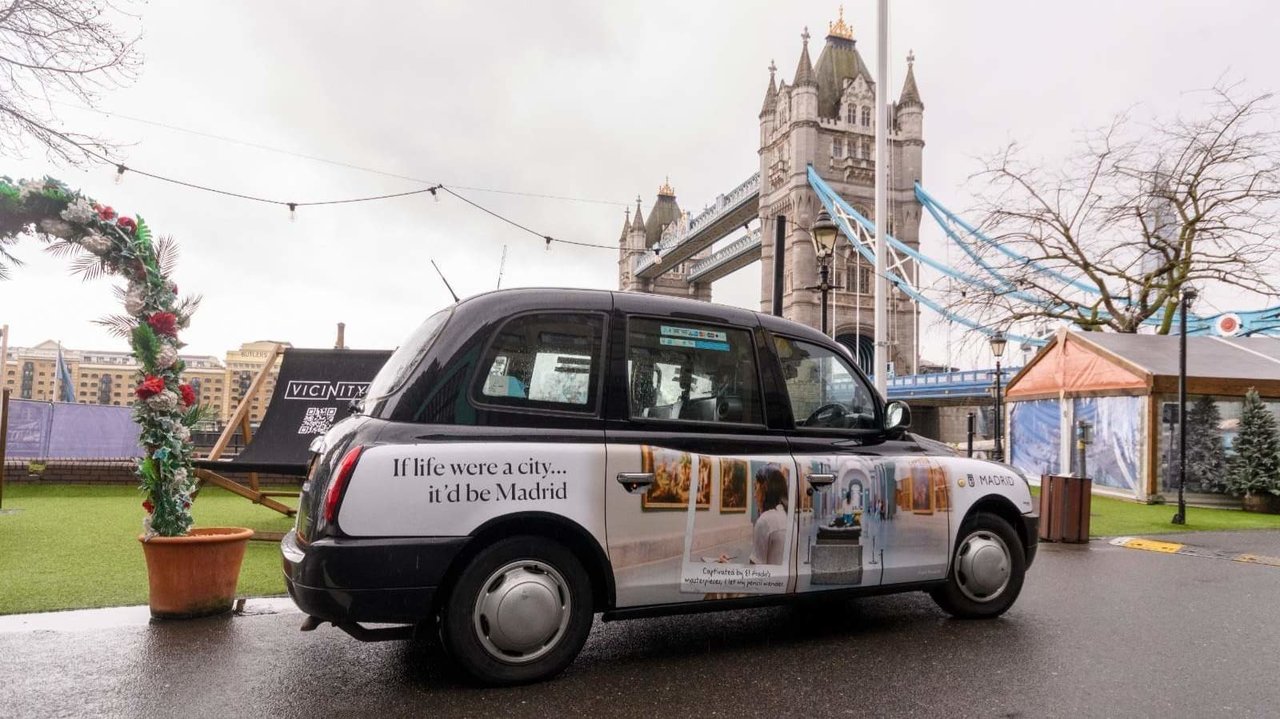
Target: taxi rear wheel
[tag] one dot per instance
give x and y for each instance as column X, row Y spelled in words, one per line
column 986, row 571
column 519, row 612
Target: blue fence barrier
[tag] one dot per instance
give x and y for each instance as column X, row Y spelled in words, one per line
column 57, row 430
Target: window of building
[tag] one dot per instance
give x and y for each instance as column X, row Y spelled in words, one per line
column 688, row 371
column 859, row 280
column 546, row 361
column 837, row 147
column 825, row 392
column 866, row 117
column 850, row 114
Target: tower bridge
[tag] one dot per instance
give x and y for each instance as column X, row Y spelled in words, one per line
column 822, row 120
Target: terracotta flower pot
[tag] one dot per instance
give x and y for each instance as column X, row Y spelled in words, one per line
column 194, row 575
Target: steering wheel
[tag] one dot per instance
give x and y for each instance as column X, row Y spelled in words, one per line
column 827, row 412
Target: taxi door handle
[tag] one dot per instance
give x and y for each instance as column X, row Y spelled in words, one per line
column 821, row 481
column 635, row 482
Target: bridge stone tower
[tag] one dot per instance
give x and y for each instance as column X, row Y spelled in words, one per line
column 642, row 236
column 825, row 118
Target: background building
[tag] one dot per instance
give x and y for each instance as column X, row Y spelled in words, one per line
column 109, row 377
column 243, row 365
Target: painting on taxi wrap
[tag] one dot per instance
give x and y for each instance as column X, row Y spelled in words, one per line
column 733, row 486
column 744, row 547
column 735, row 535
column 673, row 473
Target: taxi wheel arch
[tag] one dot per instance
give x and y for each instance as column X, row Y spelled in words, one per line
column 1004, row 509
column 988, row 588
column 538, row 524
column 519, row 612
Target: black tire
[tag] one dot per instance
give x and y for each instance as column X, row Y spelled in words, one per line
column 967, row 597
column 547, row 572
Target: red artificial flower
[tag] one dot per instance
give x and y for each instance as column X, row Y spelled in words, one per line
column 147, row 505
column 107, row 213
column 150, row 387
column 165, row 323
column 188, row 394
column 127, row 224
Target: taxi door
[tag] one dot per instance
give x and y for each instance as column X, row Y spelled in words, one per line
column 699, row 493
column 872, row 511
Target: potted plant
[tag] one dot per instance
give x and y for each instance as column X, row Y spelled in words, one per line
column 191, row 572
column 1255, row 469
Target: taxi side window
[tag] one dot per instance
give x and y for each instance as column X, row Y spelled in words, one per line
column 545, row 361
column 825, row 391
column 687, row 371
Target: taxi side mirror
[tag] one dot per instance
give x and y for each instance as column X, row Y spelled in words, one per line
column 897, row 418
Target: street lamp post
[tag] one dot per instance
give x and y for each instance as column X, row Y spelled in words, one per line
column 823, row 235
column 1188, row 296
column 998, row 343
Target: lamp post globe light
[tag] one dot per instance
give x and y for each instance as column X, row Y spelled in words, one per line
column 823, row 235
column 998, row 343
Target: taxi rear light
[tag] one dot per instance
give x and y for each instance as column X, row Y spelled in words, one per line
column 338, row 487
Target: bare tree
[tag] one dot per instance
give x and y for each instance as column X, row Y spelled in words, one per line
column 59, row 49
column 1109, row 240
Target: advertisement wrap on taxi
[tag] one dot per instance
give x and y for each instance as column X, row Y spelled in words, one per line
column 530, row 458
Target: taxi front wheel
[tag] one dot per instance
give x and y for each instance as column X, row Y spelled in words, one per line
column 986, row 570
column 520, row 611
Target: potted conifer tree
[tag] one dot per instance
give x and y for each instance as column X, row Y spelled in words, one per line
column 191, row 572
column 1255, row 469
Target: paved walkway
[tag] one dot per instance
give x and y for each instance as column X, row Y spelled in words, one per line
column 1100, row 631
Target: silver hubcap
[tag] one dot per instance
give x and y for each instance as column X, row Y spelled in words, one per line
column 522, row 611
column 982, row 566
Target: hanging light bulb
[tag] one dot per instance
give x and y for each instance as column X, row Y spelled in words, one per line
column 657, row 258
column 548, row 245
column 120, row 173
column 434, row 195
column 293, row 212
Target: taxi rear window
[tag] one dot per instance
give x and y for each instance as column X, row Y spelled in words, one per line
column 544, row 361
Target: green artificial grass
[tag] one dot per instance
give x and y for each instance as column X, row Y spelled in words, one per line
column 1110, row 517
column 76, row 546
column 1118, row 517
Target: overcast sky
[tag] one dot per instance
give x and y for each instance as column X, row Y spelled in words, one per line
column 588, row 100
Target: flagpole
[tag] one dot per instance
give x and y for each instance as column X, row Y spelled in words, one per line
column 881, row 366
column 57, row 375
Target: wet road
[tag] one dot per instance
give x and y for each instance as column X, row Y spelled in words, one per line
column 1100, row 631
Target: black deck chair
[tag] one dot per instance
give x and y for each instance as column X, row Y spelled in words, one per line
column 313, row 390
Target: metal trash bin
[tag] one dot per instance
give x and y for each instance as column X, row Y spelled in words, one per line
column 1064, row 508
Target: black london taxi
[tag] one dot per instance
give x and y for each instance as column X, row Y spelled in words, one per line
column 529, row 458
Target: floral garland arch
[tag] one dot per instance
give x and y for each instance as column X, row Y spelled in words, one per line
column 165, row 407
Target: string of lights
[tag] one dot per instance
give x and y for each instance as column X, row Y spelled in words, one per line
column 121, row 169
column 293, row 206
